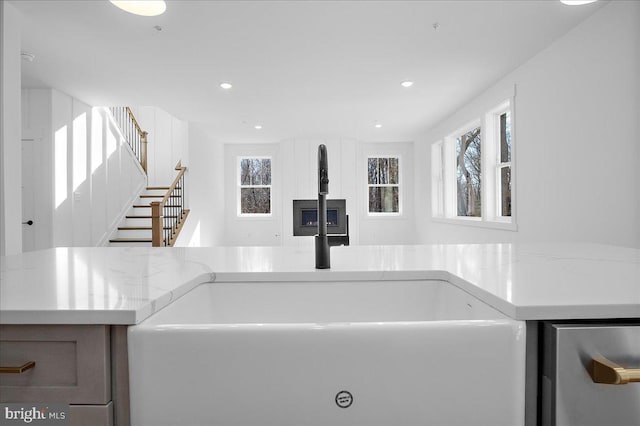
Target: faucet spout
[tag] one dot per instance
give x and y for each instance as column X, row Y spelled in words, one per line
column 323, row 170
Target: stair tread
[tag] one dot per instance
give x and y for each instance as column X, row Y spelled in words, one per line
column 146, row 217
column 157, row 196
column 138, row 228
column 141, row 206
column 152, row 188
column 130, row 240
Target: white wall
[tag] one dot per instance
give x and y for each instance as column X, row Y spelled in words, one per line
column 87, row 176
column 10, row 147
column 577, row 121
column 205, row 189
column 167, row 143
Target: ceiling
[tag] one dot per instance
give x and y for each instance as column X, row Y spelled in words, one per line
column 301, row 69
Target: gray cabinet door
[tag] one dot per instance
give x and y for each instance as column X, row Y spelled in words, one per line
column 72, row 363
column 569, row 395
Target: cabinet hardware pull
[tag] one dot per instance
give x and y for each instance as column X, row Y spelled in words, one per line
column 18, row 370
column 608, row 372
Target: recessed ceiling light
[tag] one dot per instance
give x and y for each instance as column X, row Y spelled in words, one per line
column 141, row 7
column 257, row 127
column 577, row 2
column 377, row 125
column 226, row 86
column 406, row 83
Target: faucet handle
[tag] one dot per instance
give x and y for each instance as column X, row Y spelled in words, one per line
column 323, row 182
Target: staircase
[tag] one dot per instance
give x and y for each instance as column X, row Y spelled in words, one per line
column 156, row 218
column 136, row 228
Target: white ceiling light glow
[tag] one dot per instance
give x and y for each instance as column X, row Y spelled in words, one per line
column 378, row 125
column 406, row 83
column 577, row 2
column 141, row 7
column 226, row 86
column 257, row 127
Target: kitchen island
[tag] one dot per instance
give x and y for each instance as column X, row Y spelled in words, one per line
column 112, row 288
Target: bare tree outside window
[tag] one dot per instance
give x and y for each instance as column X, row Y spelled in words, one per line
column 469, row 173
column 255, row 186
column 383, row 183
column 505, row 164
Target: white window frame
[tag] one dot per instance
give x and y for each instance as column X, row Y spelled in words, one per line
column 444, row 179
column 239, row 186
column 399, row 185
column 494, row 164
column 437, row 179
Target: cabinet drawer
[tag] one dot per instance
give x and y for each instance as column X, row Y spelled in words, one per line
column 72, row 363
column 570, row 396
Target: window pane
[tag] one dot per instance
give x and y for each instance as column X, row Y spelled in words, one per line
column 383, row 199
column 505, row 137
column 383, row 171
column 266, row 171
column 505, row 191
column 469, row 166
column 255, row 200
column 393, row 171
column 255, row 171
column 245, row 171
column 374, row 171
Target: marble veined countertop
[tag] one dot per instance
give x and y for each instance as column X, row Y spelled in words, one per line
column 107, row 285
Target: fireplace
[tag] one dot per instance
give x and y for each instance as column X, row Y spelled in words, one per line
column 305, row 217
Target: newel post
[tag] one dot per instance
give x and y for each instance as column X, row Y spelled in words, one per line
column 143, row 151
column 156, row 224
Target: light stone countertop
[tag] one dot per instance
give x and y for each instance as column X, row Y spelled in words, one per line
column 107, row 285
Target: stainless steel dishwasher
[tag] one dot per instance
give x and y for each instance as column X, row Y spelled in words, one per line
column 589, row 374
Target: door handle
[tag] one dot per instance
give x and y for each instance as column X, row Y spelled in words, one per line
column 29, row 222
column 608, row 372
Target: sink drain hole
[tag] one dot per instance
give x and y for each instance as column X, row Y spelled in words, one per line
column 344, row 399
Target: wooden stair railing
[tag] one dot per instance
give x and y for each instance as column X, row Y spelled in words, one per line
column 168, row 215
column 135, row 136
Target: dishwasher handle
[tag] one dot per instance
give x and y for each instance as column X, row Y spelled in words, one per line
column 608, row 372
